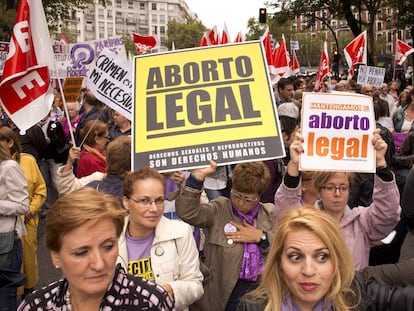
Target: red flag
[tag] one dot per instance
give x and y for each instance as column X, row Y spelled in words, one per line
column 296, row 66
column 239, row 37
column 323, row 69
column 282, row 61
column 403, row 50
column 144, row 44
column 63, row 39
column 213, row 36
column 267, row 44
column 25, row 89
column 203, row 41
column 356, row 52
column 225, row 37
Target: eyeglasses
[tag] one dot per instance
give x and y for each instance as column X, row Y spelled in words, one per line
column 332, row 189
column 145, row 203
column 239, row 197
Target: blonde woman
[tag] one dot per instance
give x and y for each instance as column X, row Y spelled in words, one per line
column 309, row 268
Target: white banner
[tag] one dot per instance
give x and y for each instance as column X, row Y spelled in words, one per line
column 76, row 59
column 110, row 79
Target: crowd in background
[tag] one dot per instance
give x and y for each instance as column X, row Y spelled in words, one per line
column 204, row 237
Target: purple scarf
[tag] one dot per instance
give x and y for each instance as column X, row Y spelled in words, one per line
column 252, row 263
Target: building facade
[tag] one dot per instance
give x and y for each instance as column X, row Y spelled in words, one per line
column 123, row 17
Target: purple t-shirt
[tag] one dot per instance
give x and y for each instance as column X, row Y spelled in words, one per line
column 139, row 260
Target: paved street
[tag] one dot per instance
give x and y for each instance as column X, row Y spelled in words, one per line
column 48, row 273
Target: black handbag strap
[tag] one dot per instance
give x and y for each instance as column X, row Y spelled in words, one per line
column 15, row 222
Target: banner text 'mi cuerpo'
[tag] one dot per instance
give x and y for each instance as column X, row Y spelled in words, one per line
column 337, row 129
column 196, row 105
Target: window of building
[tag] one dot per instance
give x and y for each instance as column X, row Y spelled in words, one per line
column 171, row 7
column 153, row 6
column 142, row 5
column 101, row 13
column 119, row 3
column 162, row 30
column 161, row 6
column 119, row 28
column 162, row 19
column 143, row 18
column 109, row 13
column 154, row 30
column 154, row 18
column 379, row 26
column 143, row 30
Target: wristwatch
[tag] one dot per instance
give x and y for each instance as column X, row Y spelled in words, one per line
column 264, row 242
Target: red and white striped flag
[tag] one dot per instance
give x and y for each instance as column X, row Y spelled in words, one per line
column 225, row 37
column 323, row 69
column 356, row 52
column 144, row 44
column 403, row 50
column 25, row 88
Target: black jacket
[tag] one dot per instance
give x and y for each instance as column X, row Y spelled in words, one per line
column 374, row 297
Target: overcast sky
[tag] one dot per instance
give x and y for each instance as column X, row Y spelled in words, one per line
column 235, row 13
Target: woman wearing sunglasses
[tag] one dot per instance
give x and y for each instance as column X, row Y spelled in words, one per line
column 237, row 229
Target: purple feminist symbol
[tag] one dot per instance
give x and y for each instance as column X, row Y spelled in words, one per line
column 82, row 54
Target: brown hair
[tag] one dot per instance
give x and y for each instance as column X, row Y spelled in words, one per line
column 251, row 177
column 8, row 134
column 118, row 156
column 93, row 129
column 320, row 178
column 83, row 206
column 141, row 174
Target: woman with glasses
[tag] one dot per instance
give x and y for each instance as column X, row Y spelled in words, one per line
column 155, row 247
column 95, row 137
column 363, row 227
column 237, row 229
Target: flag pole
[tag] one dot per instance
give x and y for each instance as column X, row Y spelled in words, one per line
column 65, row 107
column 395, row 57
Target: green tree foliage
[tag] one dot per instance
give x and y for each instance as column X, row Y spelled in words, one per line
column 185, row 35
column 54, row 9
column 345, row 9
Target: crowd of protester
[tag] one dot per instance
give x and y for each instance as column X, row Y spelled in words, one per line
column 248, row 236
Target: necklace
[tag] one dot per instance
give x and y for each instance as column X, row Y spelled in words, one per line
column 68, row 301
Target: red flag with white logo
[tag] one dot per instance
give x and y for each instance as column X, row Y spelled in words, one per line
column 323, row 69
column 225, row 37
column 25, row 88
column 296, row 66
column 282, row 62
column 403, row 50
column 63, row 39
column 213, row 37
column 239, row 37
column 267, row 44
column 143, row 44
column 203, row 41
column 356, row 52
